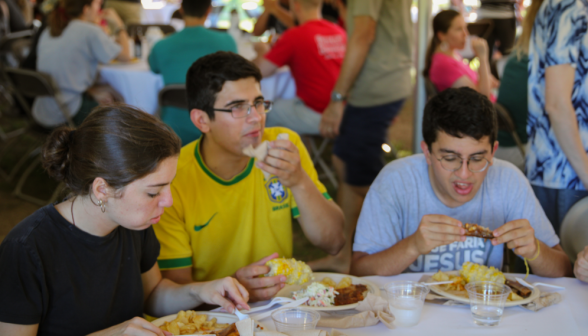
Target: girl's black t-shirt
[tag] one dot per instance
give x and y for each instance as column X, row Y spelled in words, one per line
column 71, row 282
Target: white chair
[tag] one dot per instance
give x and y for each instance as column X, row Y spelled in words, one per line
column 574, row 229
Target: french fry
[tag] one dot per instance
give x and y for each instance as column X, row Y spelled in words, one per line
column 328, row 282
column 345, row 282
column 189, row 322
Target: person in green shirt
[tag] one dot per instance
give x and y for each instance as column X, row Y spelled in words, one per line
column 513, row 96
column 173, row 56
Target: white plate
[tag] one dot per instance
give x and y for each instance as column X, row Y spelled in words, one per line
column 220, row 318
column 462, row 296
column 372, row 288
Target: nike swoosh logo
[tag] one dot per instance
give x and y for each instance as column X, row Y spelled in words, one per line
column 200, row 227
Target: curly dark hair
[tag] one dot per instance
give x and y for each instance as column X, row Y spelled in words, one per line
column 460, row 112
column 206, row 77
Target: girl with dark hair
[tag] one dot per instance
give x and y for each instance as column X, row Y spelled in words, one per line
column 70, row 50
column 445, row 67
column 89, row 264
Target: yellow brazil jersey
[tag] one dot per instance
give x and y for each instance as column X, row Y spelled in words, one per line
column 217, row 226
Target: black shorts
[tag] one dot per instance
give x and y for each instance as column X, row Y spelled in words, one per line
column 359, row 144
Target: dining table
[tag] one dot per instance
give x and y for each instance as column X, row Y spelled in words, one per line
column 567, row 318
column 140, row 87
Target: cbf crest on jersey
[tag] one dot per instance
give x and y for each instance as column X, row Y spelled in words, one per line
column 275, row 190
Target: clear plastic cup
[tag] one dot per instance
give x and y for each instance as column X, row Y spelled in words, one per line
column 292, row 319
column 487, row 301
column 406, row 300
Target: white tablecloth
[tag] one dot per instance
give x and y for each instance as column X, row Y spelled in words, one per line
column 140, row 87
column 568, row 318
column 135, row 82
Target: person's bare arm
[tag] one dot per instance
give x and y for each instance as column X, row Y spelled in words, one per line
column 261, row 24
column 559, row 83
column 358, row 46
column 164, row 297
column 481, row 48
column 581, row 265
column 18, row 329
column 284, row 16
column 320, row 219
column 266, row 67
column 180, row 275
column 122, row 38
column 520, row 236
column 433, row 231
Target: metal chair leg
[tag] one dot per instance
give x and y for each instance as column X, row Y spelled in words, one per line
column 14, row 171
column 18, row 190
column 317, row 152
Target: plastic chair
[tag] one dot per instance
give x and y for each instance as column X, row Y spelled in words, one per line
column 574, row 229
column 174, row 95
column 506, row 123
column 166, row 29
column 28, row 83
column 482, row 28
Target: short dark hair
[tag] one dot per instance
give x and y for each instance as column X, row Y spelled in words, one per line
column 118, row 142
column 206, row 77
column 196, row 8
column 460, row 112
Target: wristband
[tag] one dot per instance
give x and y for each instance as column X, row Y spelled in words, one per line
column 534, row 257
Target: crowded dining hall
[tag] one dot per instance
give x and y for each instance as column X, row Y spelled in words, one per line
column 293, row 167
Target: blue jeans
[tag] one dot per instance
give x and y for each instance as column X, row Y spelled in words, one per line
column 557, row 202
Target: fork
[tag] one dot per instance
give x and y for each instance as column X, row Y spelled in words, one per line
column 526, row 284
column 243, row 315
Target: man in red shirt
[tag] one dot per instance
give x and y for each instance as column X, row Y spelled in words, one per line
column 314, row 51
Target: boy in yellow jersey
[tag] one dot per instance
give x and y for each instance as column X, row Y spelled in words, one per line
column 227, row 219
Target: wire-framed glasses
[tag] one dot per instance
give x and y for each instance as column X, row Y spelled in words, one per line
column 242, row 110
column 476, row 164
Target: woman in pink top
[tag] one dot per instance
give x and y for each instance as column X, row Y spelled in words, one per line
column 445, row 67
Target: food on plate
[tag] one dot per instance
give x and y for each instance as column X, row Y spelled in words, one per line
column 318, row 295
column 296, row 272
column 345, row 282
column 232, row 330
column 327, row 293
column 475, row 272
column 475, row 230
column 350, row 294
column 189, row 322
column 520, row 290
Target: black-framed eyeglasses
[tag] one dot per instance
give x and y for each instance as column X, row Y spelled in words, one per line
column 242, row 110
column 476, row 164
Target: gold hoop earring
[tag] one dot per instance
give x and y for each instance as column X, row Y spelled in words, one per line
column 102, row 206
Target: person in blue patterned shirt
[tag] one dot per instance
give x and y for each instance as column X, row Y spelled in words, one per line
column 557, row 163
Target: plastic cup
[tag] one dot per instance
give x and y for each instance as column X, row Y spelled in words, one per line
column 293, row 319
column 487, row 301
column 406, row 300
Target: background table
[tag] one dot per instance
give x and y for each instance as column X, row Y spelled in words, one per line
column 159, row 15
column 570, row 317
column 140, row 87
column 135, row 82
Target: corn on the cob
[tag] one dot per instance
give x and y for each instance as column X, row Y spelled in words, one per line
column 296, row 272
column 475, row 272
